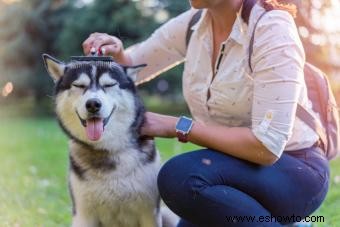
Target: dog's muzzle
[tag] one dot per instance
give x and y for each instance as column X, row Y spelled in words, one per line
column 94, row 124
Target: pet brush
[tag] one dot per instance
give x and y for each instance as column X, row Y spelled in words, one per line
column 93, row 56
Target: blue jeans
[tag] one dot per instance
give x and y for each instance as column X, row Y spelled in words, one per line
column 208, row 188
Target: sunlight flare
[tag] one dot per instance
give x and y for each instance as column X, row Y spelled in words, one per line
column 8, row 2
column 7, row 89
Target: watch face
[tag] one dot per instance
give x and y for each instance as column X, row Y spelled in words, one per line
column 184, row 124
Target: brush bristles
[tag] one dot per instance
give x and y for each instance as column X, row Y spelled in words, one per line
column 103, row 64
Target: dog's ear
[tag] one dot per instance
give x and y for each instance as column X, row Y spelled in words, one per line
column 54, row 67
column 132, row 71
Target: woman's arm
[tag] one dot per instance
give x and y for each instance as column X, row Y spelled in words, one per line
column 164, row 49
column 239, row 142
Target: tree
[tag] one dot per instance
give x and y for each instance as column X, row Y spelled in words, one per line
column 28, row 29
column 119, row 18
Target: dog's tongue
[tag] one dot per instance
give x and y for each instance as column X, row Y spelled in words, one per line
column 94, row 129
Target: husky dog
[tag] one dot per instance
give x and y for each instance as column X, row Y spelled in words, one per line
column 113, row 170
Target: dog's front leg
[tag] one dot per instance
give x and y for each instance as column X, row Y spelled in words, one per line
column 81, row 220
column 150, row 220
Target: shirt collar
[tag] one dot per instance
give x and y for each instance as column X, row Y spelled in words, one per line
column 238, row 33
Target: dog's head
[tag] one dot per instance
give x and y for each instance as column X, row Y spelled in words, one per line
column 96, row 101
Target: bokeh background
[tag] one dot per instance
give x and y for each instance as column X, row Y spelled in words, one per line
column 33, row 150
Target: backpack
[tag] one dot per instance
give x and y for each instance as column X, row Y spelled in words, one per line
column 318, row 90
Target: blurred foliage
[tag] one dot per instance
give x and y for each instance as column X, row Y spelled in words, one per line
column 319, row 38
column 32, row 27
column 120, row 18
column 29, row 28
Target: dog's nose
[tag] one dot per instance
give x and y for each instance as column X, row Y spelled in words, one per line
column 93, row 105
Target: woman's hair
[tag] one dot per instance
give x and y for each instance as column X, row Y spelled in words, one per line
column 281, row 5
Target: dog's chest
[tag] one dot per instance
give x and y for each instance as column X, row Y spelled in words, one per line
column 119, row 201
column 115, row 186
column 126, row 191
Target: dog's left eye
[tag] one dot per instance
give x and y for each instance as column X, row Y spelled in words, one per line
column 109, row 85
column 81, row 86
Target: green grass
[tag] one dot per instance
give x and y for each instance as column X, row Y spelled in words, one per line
column 33, row 175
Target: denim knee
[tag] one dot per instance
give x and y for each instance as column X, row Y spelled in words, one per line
column 169, row 179
column 179, row 184
column 163, row 179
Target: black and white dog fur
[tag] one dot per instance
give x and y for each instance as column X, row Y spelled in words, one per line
column 113, row 170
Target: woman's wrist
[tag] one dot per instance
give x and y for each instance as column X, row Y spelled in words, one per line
column 171, row 126
column 123, row 58
column 158, row 125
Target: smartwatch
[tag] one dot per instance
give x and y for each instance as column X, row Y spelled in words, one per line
column 183, row 127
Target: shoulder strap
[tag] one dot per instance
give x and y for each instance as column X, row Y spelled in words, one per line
column 245, row 14
column 246, row 9
column 310, row 120
column 192, row 22
column 251, row 44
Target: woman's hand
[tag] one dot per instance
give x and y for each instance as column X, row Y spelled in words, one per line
column 157, row 125
column 106, row 45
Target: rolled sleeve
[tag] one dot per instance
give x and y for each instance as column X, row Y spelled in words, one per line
column 164, row 49
column 278, row 60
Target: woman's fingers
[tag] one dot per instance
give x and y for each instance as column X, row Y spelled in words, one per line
column 104, row 43
column 102, row 40
column 87, row 46
column 88, row 43
column 110, row 50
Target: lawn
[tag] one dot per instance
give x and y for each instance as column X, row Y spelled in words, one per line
column 33, row 175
